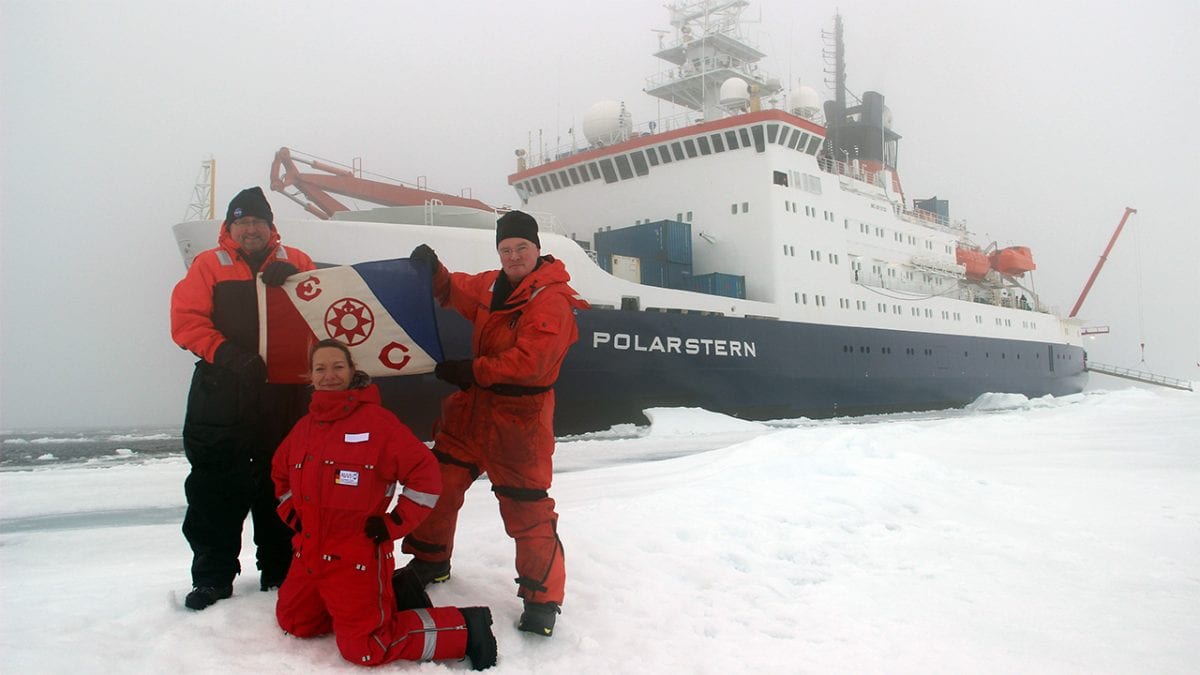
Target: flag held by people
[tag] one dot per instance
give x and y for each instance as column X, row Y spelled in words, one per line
column 382, row 310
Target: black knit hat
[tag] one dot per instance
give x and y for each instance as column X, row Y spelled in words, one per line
column 517, row 224
column 250, row 202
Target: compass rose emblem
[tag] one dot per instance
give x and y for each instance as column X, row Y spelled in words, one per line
column 350, row 321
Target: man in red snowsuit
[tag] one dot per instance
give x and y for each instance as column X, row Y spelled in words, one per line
column 234, row 419
column 335, row 475
column 502, row 420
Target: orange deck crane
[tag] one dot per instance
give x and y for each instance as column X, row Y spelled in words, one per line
column 316, row 188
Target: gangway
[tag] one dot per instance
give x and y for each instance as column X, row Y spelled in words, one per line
column 1139, row 376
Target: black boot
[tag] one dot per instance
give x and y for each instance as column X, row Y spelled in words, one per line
column 429, row 572
column 410, row 592
column 203, row 596
column 481, row 642
column 538, row 618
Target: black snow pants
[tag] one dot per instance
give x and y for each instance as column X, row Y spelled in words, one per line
column 230, row 432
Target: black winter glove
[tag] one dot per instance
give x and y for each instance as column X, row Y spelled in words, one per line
column 278, row 272
column 426, row 255
column 458, row 373
column 376, row 530
column 246, row 365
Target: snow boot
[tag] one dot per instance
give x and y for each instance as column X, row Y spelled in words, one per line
column 481, row 642
column 538, row 618
column 409, row 591
column 203, row 596
column 271, row 581
column 429, row 572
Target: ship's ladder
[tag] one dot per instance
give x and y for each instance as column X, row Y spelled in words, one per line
column 1139, row 376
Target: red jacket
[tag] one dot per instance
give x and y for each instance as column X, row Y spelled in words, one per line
column 217, row 300
column 341, row 463
column 524, row 342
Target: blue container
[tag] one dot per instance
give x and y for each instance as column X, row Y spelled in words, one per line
column 663, row 241
column 717, row 283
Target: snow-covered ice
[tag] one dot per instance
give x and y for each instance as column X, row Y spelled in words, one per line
column 1031, row 536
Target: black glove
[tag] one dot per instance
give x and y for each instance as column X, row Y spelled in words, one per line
column 458, row 373
column 246, row 365
column 376, row 530
column 293, row 521
column 425, row 255
column 278, row 272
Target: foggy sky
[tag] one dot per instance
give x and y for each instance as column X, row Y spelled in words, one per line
column 1039, row 121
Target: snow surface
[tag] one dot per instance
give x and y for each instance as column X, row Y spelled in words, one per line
column 1030, row 536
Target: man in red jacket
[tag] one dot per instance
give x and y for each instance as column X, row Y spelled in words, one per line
column 502, row 419
column 234, row 419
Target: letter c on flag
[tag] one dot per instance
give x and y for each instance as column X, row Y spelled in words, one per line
column 386, row 355
column 308, row 289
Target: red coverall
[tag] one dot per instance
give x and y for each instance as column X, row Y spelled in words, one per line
column 339, row 465
column 505, row 424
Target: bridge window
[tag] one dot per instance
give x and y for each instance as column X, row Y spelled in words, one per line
column 704, row 147
column 639, row 163
column 731, row 139
column 652, row 156
column 664, row 153
column 606, row 168
column 677, row 149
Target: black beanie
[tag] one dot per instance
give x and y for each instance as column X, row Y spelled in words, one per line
column 517, row 224
column 250, row 202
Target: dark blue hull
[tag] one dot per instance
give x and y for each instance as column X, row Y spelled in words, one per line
column 626, row 361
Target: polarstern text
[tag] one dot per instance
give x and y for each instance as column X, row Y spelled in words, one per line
column 674, row 345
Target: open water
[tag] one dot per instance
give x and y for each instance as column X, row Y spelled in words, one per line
column 30, row 449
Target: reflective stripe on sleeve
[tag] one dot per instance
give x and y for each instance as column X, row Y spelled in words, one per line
column 223, row 256
column 423, row 498
column 430, row 634
column 284, row 497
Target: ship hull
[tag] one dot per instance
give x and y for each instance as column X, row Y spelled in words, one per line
column 759, row 369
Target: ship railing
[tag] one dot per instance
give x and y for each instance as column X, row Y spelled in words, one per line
column 579, row 144
column 698, row 67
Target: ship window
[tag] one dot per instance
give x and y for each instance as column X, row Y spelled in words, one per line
column 733, row 209
column 702, row 142
column 745, row 136
column 554, row 181
column 731, row 139
column 652, row 156
column 595, row 171
column 745, row 207
column 537, row 187
column 664, row 153
column 639, row 163
column 759, row 144
column 689, row 216
column 545, row 183
column 718, row 143
column 607, row 170
column 623, row 167
column 772, row 132
column 562, row 177
column 780, row 178
column 583, row 174
column 814, row 144
column 677, row 149
column 787, row 131
column 690, row 146
column 574, row 175
column 795, row 139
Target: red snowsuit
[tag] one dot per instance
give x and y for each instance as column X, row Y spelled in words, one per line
column 231, row 427
column 504, row 425
column 339, row 465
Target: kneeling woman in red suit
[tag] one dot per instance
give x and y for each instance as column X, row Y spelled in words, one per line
column 335, row 475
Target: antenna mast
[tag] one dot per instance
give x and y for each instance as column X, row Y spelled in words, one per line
column 203, row 193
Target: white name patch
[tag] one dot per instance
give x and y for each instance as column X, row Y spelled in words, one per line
column 345, row 477
column 358, row 438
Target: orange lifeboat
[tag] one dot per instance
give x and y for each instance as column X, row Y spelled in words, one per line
column 975, row 262
column 1013, row 261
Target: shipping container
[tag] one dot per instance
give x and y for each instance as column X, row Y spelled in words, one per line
column 717, row 283
column 663, row 241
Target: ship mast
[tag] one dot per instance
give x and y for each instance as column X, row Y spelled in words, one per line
column 709, row 50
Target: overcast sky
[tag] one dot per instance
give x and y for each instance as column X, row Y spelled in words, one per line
column 1039, row 121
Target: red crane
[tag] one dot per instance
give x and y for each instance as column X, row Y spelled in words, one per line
column 339, row 180
column 1100, row 263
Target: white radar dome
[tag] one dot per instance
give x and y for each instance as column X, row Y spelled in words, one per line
column 735, row 92
column 806, row 103
column 606, row 123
